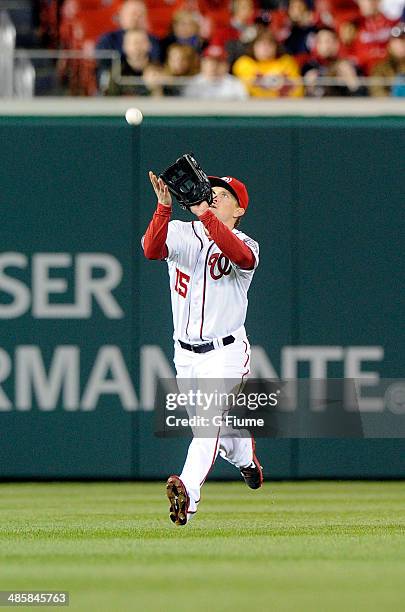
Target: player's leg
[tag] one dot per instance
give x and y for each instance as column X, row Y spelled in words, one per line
column 236, row 450
column 201, row 456
column 183, row 491
column 241, row 453
column 224, row 372
column 219, row 371
column 177, row 492
column 204, row 447
column 238, row 446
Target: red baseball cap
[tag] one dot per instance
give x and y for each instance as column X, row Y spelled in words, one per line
column 237, row 188
column 215, row 52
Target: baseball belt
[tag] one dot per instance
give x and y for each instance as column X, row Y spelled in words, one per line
column 207, row 346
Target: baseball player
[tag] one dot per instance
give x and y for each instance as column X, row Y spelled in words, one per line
column 211, row 265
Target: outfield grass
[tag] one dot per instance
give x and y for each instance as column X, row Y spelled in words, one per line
column 289, row 546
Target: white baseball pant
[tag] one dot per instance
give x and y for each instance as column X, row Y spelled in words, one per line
column 226, row 369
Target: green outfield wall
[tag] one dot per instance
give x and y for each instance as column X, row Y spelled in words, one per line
column 85, row 320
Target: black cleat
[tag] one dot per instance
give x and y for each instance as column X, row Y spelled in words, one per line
column 253, row 474
column 179, row 500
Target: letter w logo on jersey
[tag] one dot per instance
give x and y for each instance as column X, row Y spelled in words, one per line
column 219, row 265
column 181, row 285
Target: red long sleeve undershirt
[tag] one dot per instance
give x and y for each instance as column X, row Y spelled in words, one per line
column 154, row 243
column 154, row 240
column 235, row 249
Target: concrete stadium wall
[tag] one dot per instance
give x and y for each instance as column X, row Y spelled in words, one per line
column 327, row 209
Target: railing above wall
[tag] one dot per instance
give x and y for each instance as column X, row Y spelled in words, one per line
column 331, row 107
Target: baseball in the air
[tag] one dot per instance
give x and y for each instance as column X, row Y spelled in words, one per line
column 134, row 116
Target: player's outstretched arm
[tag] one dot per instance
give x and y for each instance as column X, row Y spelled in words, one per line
column 154, row 240
column 231, row 246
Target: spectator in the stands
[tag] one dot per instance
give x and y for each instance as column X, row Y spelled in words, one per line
column 373, row 33
column 160, row 14
column 393, row 67
column 267, row 72
column 133, row 15
column 240, row 33
column 153, row 77
column 332, row 13
column 182, row 61
column 325, row 62
column 136, row 48
column 215, row 14
column 214, row 81
column 185, row 30
column 301, row 29
column 347, row 32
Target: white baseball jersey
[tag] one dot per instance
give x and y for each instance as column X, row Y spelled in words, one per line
column 208, row 291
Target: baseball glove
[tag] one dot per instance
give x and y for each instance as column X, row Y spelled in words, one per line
column 187, row 182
